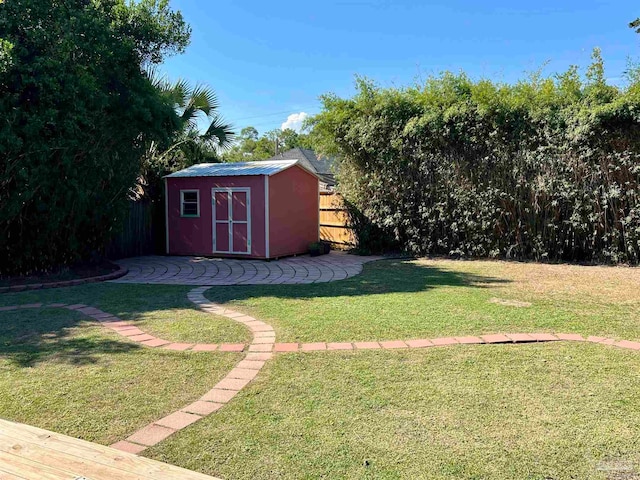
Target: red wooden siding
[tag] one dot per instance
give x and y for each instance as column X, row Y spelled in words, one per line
column 292, row 223
column 194, row 236
column 293, row 208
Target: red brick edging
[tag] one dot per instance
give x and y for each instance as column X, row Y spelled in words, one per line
column 121, row 272
column 133, row 333
column 263, row 345
column 239, row 377
column 260, row 350
column 445, row 341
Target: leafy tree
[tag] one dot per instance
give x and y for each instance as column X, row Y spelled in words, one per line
column 78, row 112
column 635, row 25
column 251, row 146
column 249, row 134
column 545, row 169
column 288, row 139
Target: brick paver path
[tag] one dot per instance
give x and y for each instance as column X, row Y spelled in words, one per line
column 446, row 341
column 261, row 350
column 258, row 352
column 226, row 271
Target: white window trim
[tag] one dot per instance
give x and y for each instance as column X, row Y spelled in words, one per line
column 182, row 214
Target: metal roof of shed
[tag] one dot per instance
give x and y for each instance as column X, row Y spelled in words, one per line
column 264, row 167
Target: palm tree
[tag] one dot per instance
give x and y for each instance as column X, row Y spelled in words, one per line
column 197, row 103
column 194, row 106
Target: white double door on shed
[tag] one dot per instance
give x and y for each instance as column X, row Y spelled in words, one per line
column 231, row 220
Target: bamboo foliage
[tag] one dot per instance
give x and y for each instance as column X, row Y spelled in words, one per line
column 546, row 169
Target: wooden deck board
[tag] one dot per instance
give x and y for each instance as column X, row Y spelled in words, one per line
column 31, row 453
column 9, row 476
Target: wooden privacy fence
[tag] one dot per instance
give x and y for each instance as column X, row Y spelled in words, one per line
column 334, row 221
column 138, row 236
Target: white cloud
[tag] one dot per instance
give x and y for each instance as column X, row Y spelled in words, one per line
column 294, row 121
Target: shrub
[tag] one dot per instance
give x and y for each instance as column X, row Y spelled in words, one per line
column 77, row 112
column 548, row 168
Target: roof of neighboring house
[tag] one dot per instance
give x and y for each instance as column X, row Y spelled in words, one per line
column 321, row 166
column 264, row 167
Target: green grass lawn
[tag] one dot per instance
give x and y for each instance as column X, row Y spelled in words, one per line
column 396, row 299
column 160, row 310
column 539, row 411
column 64, row 373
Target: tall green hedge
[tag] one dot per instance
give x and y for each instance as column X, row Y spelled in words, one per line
column 76, row 113
column 545, row 169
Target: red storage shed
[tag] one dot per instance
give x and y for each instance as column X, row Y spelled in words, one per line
column 265, row 209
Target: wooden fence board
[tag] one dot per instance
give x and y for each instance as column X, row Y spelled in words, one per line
column 334, row 218
column 138, row 233
column 334, row 221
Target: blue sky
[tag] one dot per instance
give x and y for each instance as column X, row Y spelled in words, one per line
column 267, row 60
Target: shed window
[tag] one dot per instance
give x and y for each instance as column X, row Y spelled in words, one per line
column 189, row 203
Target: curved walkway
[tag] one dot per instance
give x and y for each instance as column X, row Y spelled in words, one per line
column 239, row 377
column 260, row 350
column 229, row 271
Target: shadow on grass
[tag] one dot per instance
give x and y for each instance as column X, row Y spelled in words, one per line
column 29, row 337
column 378, row 278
